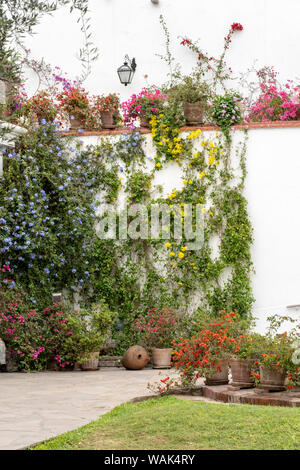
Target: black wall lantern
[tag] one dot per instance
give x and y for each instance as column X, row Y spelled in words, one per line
column 126, row 71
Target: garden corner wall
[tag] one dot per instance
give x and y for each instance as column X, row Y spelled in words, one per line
column 273, row 193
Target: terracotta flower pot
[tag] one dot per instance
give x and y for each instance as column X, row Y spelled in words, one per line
column 221, row 377
column 77, row 122
column 272, row 378
column 52, row 364
column 107, row 120
column 193, row 113
column 241, row 371
column 144, row 122
column 161, row 358
column 92, row 363
column 135, row 358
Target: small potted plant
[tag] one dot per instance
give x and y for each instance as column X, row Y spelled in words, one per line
column 75, row 103
column 241, row 362
column 226, row 110
column 107, row 107
column 275, row 362
column 193, row 94
column 90, row 330
column 158, row 329
column 275, row 353
column 147, row 103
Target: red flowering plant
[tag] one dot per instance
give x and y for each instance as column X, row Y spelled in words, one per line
column 276, row 350
column 106, row 104
column 201, row 355
column 40, row 106
column 147, row 103
column 158, row 327
column 208, row 64
column 75, row 102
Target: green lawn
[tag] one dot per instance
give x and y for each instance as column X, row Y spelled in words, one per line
column 170, row 423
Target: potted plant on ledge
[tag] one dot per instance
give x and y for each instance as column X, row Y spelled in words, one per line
column 158, row 329
column 107, row 107
column 193, row 94
column 75, row 103
column 143, row 106
column 40, row 106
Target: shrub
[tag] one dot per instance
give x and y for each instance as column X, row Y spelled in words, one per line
column 158, row 327
column 274, row 104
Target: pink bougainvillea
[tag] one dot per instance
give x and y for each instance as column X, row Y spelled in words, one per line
column 274, row 104
column 147, row 102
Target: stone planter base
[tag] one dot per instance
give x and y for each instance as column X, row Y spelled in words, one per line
column 228, row 394
column 272, row 388
column 111, row 361
column 242, row 384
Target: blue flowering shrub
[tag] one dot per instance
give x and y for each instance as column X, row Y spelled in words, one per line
column 47, row 214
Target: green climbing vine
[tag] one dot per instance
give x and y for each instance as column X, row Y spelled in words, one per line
column 52, row 193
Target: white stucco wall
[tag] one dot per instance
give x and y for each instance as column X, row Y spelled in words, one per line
column 271, row 35
column 273, row 194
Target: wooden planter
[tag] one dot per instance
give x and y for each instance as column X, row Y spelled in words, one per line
column 92, row 363
column 272, row 379
column 193, row 113
column 241, row 372
column 161, row 358
column 221, row 377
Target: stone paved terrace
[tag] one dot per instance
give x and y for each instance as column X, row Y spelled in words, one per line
column 42, row 405
column 38, row 406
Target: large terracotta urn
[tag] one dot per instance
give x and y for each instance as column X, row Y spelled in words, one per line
column 135, row 358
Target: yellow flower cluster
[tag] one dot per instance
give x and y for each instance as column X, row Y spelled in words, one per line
column 172, row 195
column 213, row 151
column 194, row 134
column 172, row 253
column 160, row 130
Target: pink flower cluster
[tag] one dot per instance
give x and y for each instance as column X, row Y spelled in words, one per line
column 143, row 102
column 35, row 354
column 157, row 326
column 274, row 104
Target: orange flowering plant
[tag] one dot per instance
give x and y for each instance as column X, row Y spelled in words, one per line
column 40, row 106
column 75, row 101
column 106, row 104
column 200, row 355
